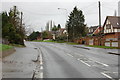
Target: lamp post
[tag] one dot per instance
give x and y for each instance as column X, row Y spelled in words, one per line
column 66, row 20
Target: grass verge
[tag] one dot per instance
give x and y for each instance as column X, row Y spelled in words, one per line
column 16, row 45
column 70, row 43
column 105, row 47
column 4, row 47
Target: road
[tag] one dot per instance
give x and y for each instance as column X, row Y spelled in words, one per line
column 59, row 60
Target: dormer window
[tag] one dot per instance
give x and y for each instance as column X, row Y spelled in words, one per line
column 108, row 26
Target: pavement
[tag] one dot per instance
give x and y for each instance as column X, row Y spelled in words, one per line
column 59, row 60
column 110, row 51
column 20, row 64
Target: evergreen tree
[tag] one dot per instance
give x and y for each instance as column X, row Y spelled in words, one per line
column 75, row 24
column 54, row 28
column 59, row 26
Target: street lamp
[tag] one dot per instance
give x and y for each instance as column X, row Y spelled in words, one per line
column 65, row 11
column 66, row 19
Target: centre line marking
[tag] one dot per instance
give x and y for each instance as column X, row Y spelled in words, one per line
column 85, row 63
column 106, row 75
column 41, row 62
column 41, row 75
column 41, row 67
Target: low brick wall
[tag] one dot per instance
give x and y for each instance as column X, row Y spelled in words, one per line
column 7, row 52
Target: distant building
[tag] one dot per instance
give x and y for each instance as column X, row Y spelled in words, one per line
column 49, row 25
column 92, row 29
column 119, row 8
column 39, row 37
column 62, row 31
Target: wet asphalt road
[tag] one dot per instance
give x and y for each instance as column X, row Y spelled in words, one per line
column 59, row 60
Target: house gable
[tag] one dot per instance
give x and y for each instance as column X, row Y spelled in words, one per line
column 111, row 24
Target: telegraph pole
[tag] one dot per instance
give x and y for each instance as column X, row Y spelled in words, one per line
column 21, row 20
column 100, row 21
column 21, row 28
column 99, row 14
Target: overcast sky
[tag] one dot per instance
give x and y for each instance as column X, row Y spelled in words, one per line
column 38, row 12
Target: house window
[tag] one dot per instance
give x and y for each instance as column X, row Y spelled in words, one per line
column 108, row 26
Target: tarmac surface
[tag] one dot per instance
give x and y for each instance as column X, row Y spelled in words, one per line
column 59, row 60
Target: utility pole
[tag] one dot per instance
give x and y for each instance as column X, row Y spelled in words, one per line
column 99, row 15
column 21, row 21
column 100, row 21
column 21, row 28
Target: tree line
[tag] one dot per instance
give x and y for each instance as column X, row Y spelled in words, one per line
column 75, row 27
column 13, row 28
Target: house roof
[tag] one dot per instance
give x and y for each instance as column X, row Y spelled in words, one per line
column 93, row 27
column 98, row 30
column 62, row 29
column 114, row 20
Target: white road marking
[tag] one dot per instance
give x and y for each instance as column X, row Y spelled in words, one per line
column 41, row 75
column 106, row 75
column 70, row 55
column 41, row 67
column 41, row 62
column 85, row 63
column 41, row 59
column 115, row 72
column 100, row 63
column 110, row 72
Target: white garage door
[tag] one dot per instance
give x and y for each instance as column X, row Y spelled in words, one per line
column 114, row 44
column 91, row 42
column 107, row 43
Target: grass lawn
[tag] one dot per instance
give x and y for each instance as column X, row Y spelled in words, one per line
column 4, row 47
column 106, row 47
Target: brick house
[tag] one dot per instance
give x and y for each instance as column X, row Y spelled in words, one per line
column 111, row 29
column 91, row 30
column 110, row 35
column 62, row 31
column 39, row 37
column 97, row 31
